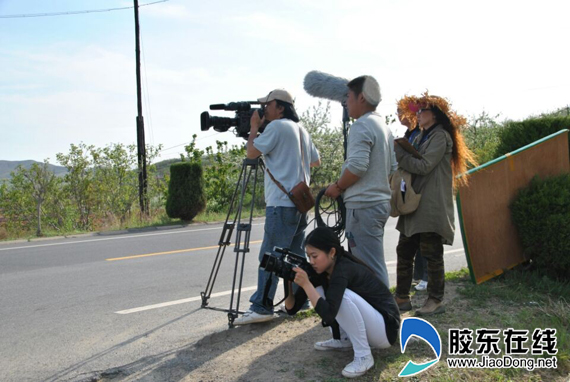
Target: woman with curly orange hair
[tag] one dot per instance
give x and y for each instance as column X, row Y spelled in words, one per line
column 444, row 156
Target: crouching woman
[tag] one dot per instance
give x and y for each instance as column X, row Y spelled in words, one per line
column 349, row 298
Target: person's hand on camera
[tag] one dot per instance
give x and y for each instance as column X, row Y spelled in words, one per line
column 255, row 122
column 301, row 278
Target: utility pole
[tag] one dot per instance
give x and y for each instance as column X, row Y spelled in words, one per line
column 141, row 147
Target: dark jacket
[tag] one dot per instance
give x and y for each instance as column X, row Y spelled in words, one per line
column 361, row 280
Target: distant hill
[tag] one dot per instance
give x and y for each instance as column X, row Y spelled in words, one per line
column 6, row 167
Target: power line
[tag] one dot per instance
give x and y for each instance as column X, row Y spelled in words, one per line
column 187, row 143
column 75, row 12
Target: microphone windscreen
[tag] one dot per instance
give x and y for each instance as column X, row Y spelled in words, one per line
column 323, row 85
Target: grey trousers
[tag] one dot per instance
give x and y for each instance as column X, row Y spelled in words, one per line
column 365, row 235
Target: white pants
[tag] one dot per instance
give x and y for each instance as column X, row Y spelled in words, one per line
column 361, row 323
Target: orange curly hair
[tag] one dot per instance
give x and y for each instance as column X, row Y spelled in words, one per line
column 452, row 123
column 404, row 111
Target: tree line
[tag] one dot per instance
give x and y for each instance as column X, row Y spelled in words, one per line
column 100, row 188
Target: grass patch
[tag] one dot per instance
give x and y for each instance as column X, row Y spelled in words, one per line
column 302, row 314
column 209, row 217
column 300, row 373
column 460, row 275
column 134, row 222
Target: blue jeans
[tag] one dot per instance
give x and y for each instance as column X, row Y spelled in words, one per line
column 285, row 228
column 420, row 267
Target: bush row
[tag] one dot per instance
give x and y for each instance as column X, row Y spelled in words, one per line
column 541, row 214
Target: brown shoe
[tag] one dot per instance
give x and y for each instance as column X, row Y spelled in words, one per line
column 431, row 307
column 404, row 304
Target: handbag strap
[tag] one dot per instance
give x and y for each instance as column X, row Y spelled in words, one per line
column 302, row 154
column 276, row 181
column 302, row 164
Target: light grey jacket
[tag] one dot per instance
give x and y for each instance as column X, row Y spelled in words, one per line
column 370, row 155
column 433, row 178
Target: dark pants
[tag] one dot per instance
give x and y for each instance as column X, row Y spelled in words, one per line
column 420, row 267
column 431, row 246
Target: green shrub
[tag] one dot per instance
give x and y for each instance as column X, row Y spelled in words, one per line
column 482, row 136
column 519, row 134
column 541, row 214
column 185, row 191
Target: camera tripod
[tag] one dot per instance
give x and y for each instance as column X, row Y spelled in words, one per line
column 242, row 224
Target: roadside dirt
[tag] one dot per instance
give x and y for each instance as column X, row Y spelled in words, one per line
column 279, row 350
column 282, row 350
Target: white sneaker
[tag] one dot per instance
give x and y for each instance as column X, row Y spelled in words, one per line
column 251, row 317
column 358, row 367
column 334, row 344
column 422, row 285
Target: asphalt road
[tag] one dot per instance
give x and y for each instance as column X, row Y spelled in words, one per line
column 73, row 307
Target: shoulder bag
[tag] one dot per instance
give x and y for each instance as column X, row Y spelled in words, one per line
column 300, row 195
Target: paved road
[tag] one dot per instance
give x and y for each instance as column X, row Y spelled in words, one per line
column 72, row 307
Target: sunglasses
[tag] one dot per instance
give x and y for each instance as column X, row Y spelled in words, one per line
column 422, row 110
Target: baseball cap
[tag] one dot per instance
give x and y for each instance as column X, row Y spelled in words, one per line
column 277, row 94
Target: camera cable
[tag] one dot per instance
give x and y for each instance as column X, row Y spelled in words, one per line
column 330, row 211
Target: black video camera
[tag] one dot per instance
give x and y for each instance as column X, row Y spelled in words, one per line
column 282, row 266
column 243, row 110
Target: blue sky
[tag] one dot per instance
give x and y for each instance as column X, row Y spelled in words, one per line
column 71, row 79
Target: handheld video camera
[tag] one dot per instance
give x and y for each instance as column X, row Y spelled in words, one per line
column 241, row 121
column 282, row 266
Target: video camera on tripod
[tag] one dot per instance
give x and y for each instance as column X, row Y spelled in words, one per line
column 243, row 110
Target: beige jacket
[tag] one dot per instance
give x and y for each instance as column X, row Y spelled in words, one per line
column 432, row 178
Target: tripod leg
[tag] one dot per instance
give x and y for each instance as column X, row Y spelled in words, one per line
column 243, row 232
column 225, row 240
column 242, row 247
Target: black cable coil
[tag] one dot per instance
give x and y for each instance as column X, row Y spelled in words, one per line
column 334, row 209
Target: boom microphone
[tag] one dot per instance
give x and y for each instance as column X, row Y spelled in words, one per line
column 323, row 85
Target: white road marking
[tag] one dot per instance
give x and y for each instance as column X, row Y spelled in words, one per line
column 392, row 270
column 183, row 301
column 115, row 238
column 462, row 250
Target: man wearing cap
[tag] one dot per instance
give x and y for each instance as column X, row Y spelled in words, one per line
column 288, row 153
column 364, row 176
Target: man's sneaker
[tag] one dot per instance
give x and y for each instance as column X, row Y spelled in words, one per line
column 251, row 317
column 334, row 344
column 422, row 285
column 431, row 306
column 358, row 367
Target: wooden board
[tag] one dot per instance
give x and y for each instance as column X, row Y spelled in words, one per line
column 489, row 237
